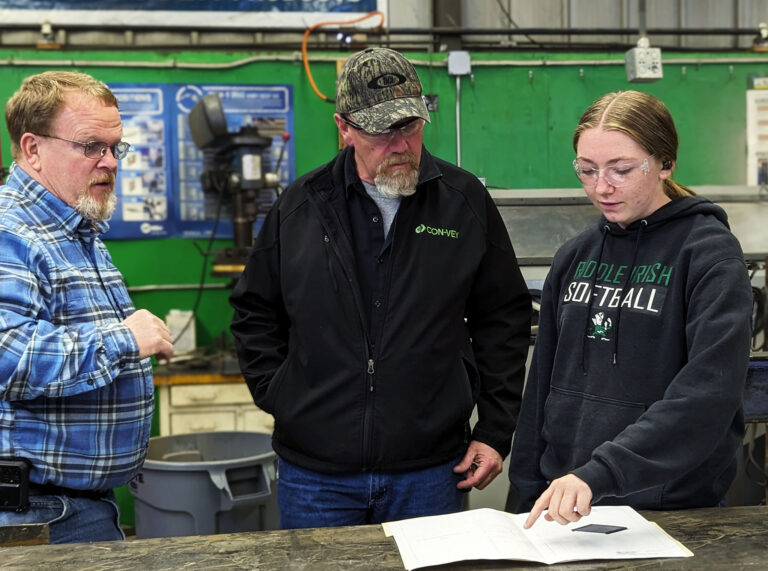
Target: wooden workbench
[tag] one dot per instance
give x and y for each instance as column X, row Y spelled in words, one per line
column 719, row 538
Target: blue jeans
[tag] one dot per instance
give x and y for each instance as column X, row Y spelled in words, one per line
column 312, row 499
column 71, row 520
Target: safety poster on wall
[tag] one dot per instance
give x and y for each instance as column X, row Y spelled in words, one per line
column 757, row 133
column 158, row 187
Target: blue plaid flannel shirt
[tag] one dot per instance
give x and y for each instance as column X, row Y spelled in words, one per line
column 75, row 400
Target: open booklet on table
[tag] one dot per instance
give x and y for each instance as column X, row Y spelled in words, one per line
column 608, row 532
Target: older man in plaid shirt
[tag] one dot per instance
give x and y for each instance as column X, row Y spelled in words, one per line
column 76, row 391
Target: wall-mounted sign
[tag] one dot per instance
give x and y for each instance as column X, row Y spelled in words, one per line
column 298, row 14
column 757, row 137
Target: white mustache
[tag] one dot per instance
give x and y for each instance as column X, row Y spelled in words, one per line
column 106, row 178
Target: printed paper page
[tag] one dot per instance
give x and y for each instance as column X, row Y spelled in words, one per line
column 473, row 534
column 491, row 534
column 641, row 539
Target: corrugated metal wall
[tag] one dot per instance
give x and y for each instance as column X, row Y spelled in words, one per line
column 507, row 15
column 606, row 14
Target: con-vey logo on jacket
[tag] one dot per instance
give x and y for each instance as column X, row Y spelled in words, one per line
column 440, row 232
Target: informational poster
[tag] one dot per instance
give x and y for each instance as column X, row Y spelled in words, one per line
column 757, row 136
column 268, row 108
column 168, row 13
column 142, row 187
column 158, row 187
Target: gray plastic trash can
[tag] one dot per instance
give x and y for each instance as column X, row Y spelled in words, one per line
column 206, row 483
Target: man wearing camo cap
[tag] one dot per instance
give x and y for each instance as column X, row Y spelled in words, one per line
column 381, row 303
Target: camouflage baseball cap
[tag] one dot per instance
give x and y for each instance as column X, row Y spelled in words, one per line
column 378, row 87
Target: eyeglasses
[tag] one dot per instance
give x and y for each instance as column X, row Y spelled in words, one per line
column 407, row 129
column 615, row 175
column 98, row 149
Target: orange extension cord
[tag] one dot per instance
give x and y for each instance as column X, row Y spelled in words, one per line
column 312, row 28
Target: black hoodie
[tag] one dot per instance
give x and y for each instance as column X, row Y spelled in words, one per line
column 639, row 365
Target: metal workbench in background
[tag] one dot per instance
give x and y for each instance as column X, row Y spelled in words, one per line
column 539, row 221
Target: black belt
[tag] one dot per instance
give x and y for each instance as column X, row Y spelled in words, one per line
column 51, row 490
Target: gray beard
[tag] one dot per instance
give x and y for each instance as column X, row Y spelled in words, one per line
column 402, row 183
column 95, row 211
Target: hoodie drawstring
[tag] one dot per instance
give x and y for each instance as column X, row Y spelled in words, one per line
column 624, row 291
column 625, row 288
column 592, row 284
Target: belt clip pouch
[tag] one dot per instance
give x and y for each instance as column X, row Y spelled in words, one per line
column 14, row 485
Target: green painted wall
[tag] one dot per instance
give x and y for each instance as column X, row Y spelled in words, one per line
column 516, row 127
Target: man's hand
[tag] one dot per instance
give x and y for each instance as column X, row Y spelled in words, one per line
column 566, row 499
column 151, row 333
column 481, row 464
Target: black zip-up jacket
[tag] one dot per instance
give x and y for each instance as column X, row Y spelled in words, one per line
column 344, row 402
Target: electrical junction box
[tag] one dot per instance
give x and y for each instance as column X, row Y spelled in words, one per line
column 459, row 63
column 643, row 64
